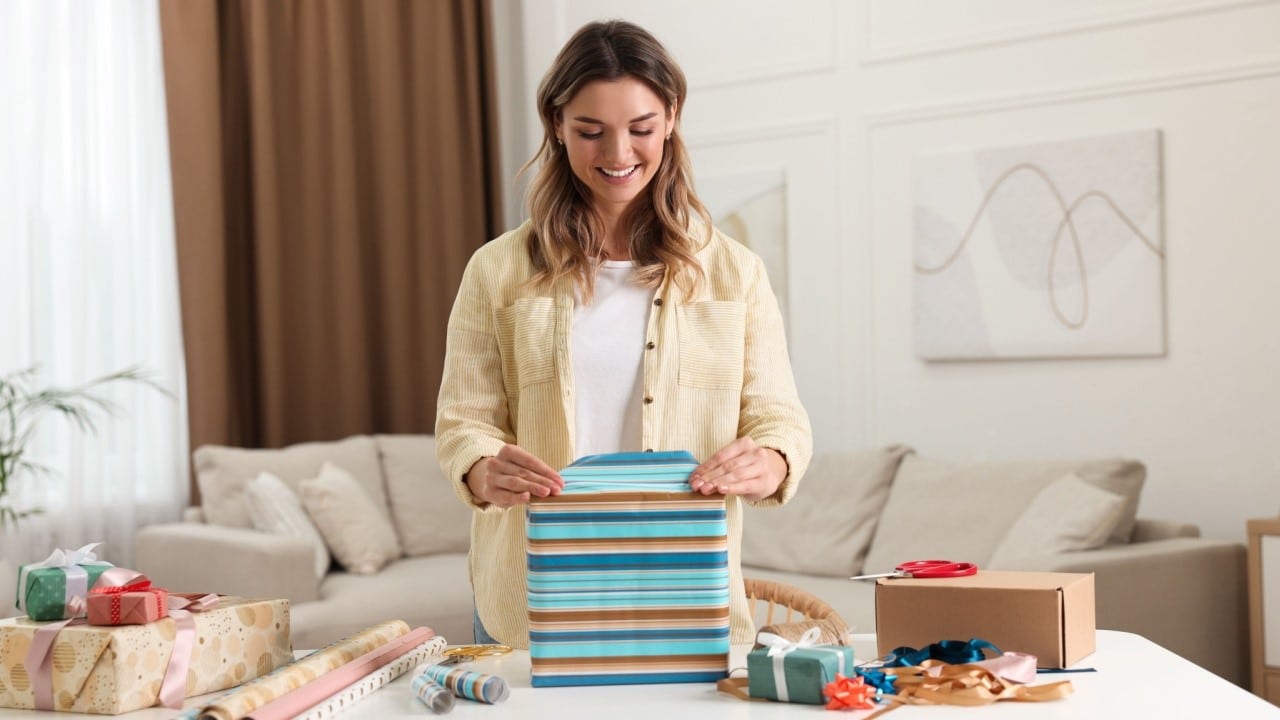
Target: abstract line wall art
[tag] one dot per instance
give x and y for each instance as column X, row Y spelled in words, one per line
column 1049, row 250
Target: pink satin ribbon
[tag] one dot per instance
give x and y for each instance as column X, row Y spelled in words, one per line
column 173, row 689
column 1012, row 666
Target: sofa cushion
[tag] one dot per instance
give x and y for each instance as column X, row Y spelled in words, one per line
column 275, row 509
column 827, row 526
column 962, row 511
column 356, row 531
column 1067, row 516
column 428, row 518
column 221, row 473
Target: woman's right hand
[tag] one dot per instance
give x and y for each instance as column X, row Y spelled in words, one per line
column 510, row 477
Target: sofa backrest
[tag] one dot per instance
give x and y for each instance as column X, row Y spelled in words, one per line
column 400, row 473
column 962, row 512
column 222, row 472
column 428, row 517
column 827, row 526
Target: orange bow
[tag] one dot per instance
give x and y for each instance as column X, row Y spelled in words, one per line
column 849, row 693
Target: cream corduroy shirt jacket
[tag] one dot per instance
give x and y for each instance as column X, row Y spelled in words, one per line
column 715, row 369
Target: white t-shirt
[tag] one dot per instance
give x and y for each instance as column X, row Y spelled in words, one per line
column 608, row 357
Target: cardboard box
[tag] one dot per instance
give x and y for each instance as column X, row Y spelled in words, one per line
column 115, row 669
column 1049, row 615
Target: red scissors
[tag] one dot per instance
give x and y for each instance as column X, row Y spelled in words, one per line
column 925, row 569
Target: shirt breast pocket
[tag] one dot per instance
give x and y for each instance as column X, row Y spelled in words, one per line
column 526, row 340
column 712, row 344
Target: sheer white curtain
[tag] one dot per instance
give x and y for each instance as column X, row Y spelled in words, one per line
column 88, row 274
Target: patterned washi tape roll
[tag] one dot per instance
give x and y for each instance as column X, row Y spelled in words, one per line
column 470, row 685
column 432, row 694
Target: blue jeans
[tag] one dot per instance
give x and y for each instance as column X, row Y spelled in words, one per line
column 482, row 636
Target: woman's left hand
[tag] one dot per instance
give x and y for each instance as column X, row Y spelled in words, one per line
column 741, row 468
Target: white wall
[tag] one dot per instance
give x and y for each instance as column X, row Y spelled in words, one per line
column 840, row 96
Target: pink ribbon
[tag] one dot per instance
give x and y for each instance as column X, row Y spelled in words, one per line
column 121, row 585
column 173, row 689
column 1012, row 666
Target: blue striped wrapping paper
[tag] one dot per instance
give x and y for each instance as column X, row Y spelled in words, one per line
column 628, row 575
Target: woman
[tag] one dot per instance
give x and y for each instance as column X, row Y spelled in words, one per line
column 615, row 319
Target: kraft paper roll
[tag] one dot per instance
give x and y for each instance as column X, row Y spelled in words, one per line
column 253, row 695
column 358, row 677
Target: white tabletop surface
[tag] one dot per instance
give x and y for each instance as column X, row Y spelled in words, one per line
column 1135, row 678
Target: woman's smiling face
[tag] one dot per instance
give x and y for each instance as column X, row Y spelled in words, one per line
column 614, row 133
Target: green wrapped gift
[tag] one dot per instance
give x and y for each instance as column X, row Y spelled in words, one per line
column 46, row 589
column 795, row 671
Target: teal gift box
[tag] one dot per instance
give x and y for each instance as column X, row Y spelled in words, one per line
column 794, row 672
column 46, row 589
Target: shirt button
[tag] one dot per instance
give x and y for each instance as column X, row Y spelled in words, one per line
column 648, row 399
column 650, row 345
column 657, row 301
column 648, row 449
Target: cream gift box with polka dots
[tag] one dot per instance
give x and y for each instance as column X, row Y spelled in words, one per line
column 111, row 670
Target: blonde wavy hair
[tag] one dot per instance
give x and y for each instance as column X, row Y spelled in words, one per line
column 567, row 237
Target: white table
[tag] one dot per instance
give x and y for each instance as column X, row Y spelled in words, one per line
column 1135, row 678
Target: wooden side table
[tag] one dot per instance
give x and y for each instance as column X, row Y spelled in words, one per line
column 1264, row 607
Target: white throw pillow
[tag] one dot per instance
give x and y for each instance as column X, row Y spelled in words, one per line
column 1068, row 515
column 275, row 509
column 358, row 534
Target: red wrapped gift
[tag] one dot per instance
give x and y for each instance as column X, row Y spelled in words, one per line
column 137, row 603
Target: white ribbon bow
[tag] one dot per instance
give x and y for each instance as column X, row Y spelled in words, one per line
column 77, row 578
column 69, row 558
column 780, row 646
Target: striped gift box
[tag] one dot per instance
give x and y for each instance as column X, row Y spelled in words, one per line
column 628, row 575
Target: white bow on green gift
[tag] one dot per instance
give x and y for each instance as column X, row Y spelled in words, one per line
column 780, row 648
column 77, row 587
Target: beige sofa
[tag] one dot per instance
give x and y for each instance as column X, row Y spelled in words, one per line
column 864, row 512
column 857, row 512
column 216, row 548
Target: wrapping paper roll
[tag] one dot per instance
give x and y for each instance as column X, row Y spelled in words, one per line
column 253, row 695
column 470, row 685
column 346, row 682
column 435, row 696
column 431, row 651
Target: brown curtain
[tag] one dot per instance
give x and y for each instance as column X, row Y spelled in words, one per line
column 334, row 166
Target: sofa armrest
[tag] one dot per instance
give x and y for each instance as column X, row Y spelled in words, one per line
column 195, row 557
column 1147, row 530
column 1186, row 594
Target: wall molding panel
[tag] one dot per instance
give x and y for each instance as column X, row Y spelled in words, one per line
column 812, row 126
column 870, row 54
column 818, row 62
column 1117, row 88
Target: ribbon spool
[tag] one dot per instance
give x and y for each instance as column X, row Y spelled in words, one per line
column 432, row 694
column 829, row 632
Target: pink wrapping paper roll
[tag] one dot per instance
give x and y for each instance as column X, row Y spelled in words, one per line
column 297, row 701
column 251, row 696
